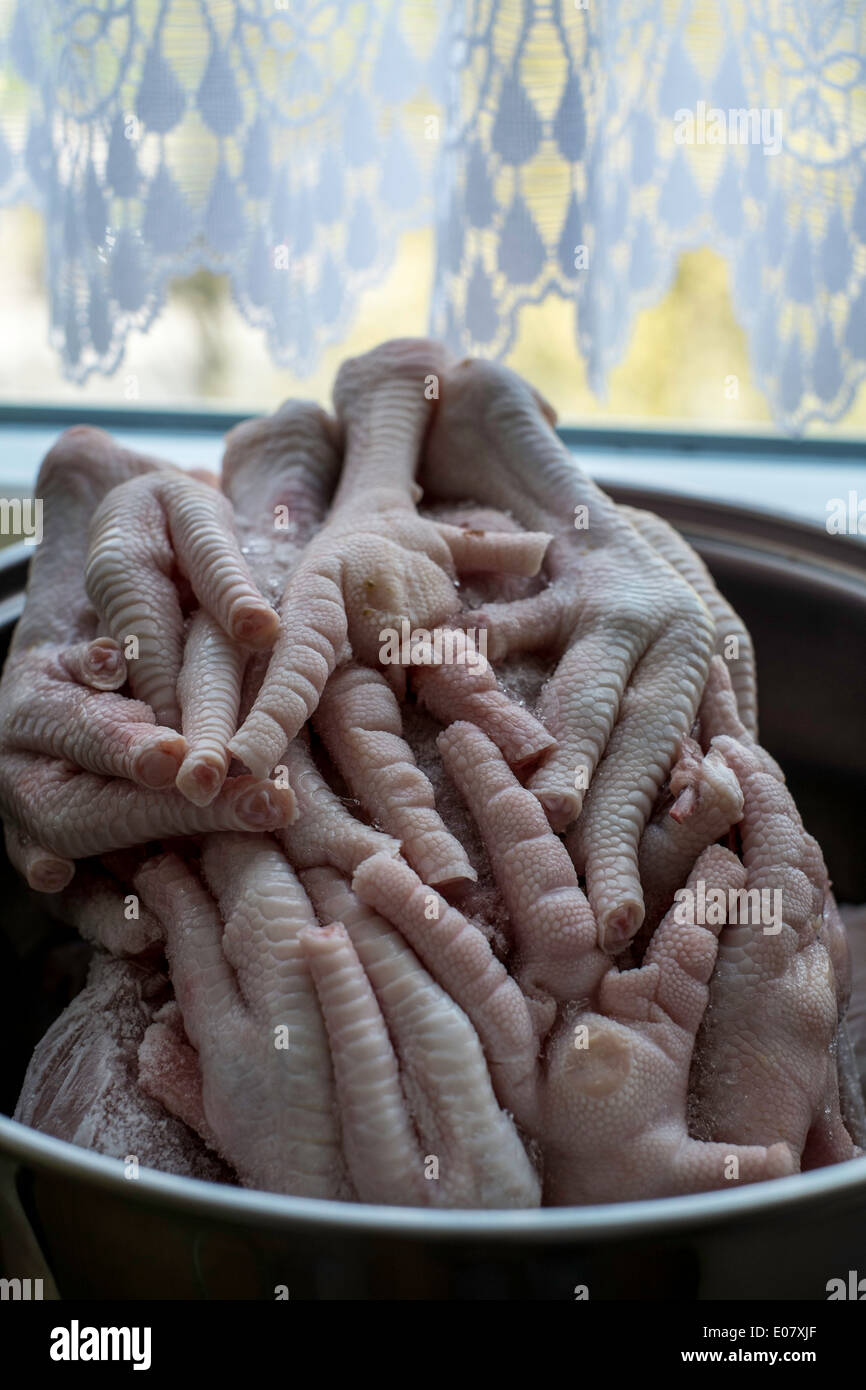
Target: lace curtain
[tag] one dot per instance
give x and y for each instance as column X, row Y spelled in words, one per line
column 569, row 147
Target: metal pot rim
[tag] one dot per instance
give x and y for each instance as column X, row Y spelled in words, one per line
column 193, row 1196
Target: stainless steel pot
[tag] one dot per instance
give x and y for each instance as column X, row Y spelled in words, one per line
column 72, row 1216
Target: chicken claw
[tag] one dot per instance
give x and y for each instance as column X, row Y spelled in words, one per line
column 632, row 637
column 375, row 563
column 470, row 692
column 78, row 814
column 359, row 720
column 45, row 710
column 42, row 869
column 606, row 1098
column 97, row 905
column 766, row 1068
column 209, row 692
column 83, row 769
column 325, row 831
column 403, row 1049
column 142, row 534
column 249, row 1011
column 553, row 925
column 614, row 1115
column 707, row 802
column 733, row 641
column 278, row 474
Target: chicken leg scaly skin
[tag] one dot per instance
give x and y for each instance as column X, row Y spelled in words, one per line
column 57, row 662
column 96, row 904
column 279, row 473
column 376, row 562
column 325, row 832
column 625, row 1080
column 733, row 641
column 720, row 720
column 554, row 931
column 471, row 692
column 142, row 534
column 152, row 530
column 606, row 1099
column 249, row 1010
column 68, row 742
column 42, row 869
column 209, row 693
column 420, row 1120
column 286, row 467
column 708, row 801
column 284, row 470
column 358, row 718
column 766, row 1063
column 634, row 639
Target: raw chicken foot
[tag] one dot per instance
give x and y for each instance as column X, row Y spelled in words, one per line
column 69, row 742
column 421, row 1124
column 634, row 639
column 278, row 474
column 606, row 1099
column 426, row 1130
column 263, row 1092
column 375, row 563
column 707, row 802
column 359, row 720
column 142, row 534
column 766, row 1067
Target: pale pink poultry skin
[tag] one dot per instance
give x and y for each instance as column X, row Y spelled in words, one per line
column 609, row 1116
column 185, row 531
column 403, row 1052
column 268, row 475
column 141, row 533
column 82, row 768
column 97, row 904
column 459, row 1033
column 767, row 1047
column 634, row 639
column 285, row 467
column 209, row 694
column 376, row 562
column 240, row 977
column 82, row 1083
column 733, row 642
column 471, row 691
column 326, row 831
column 270, row 1111
column 358, row 719
column 706, row 803
column 280, row 473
